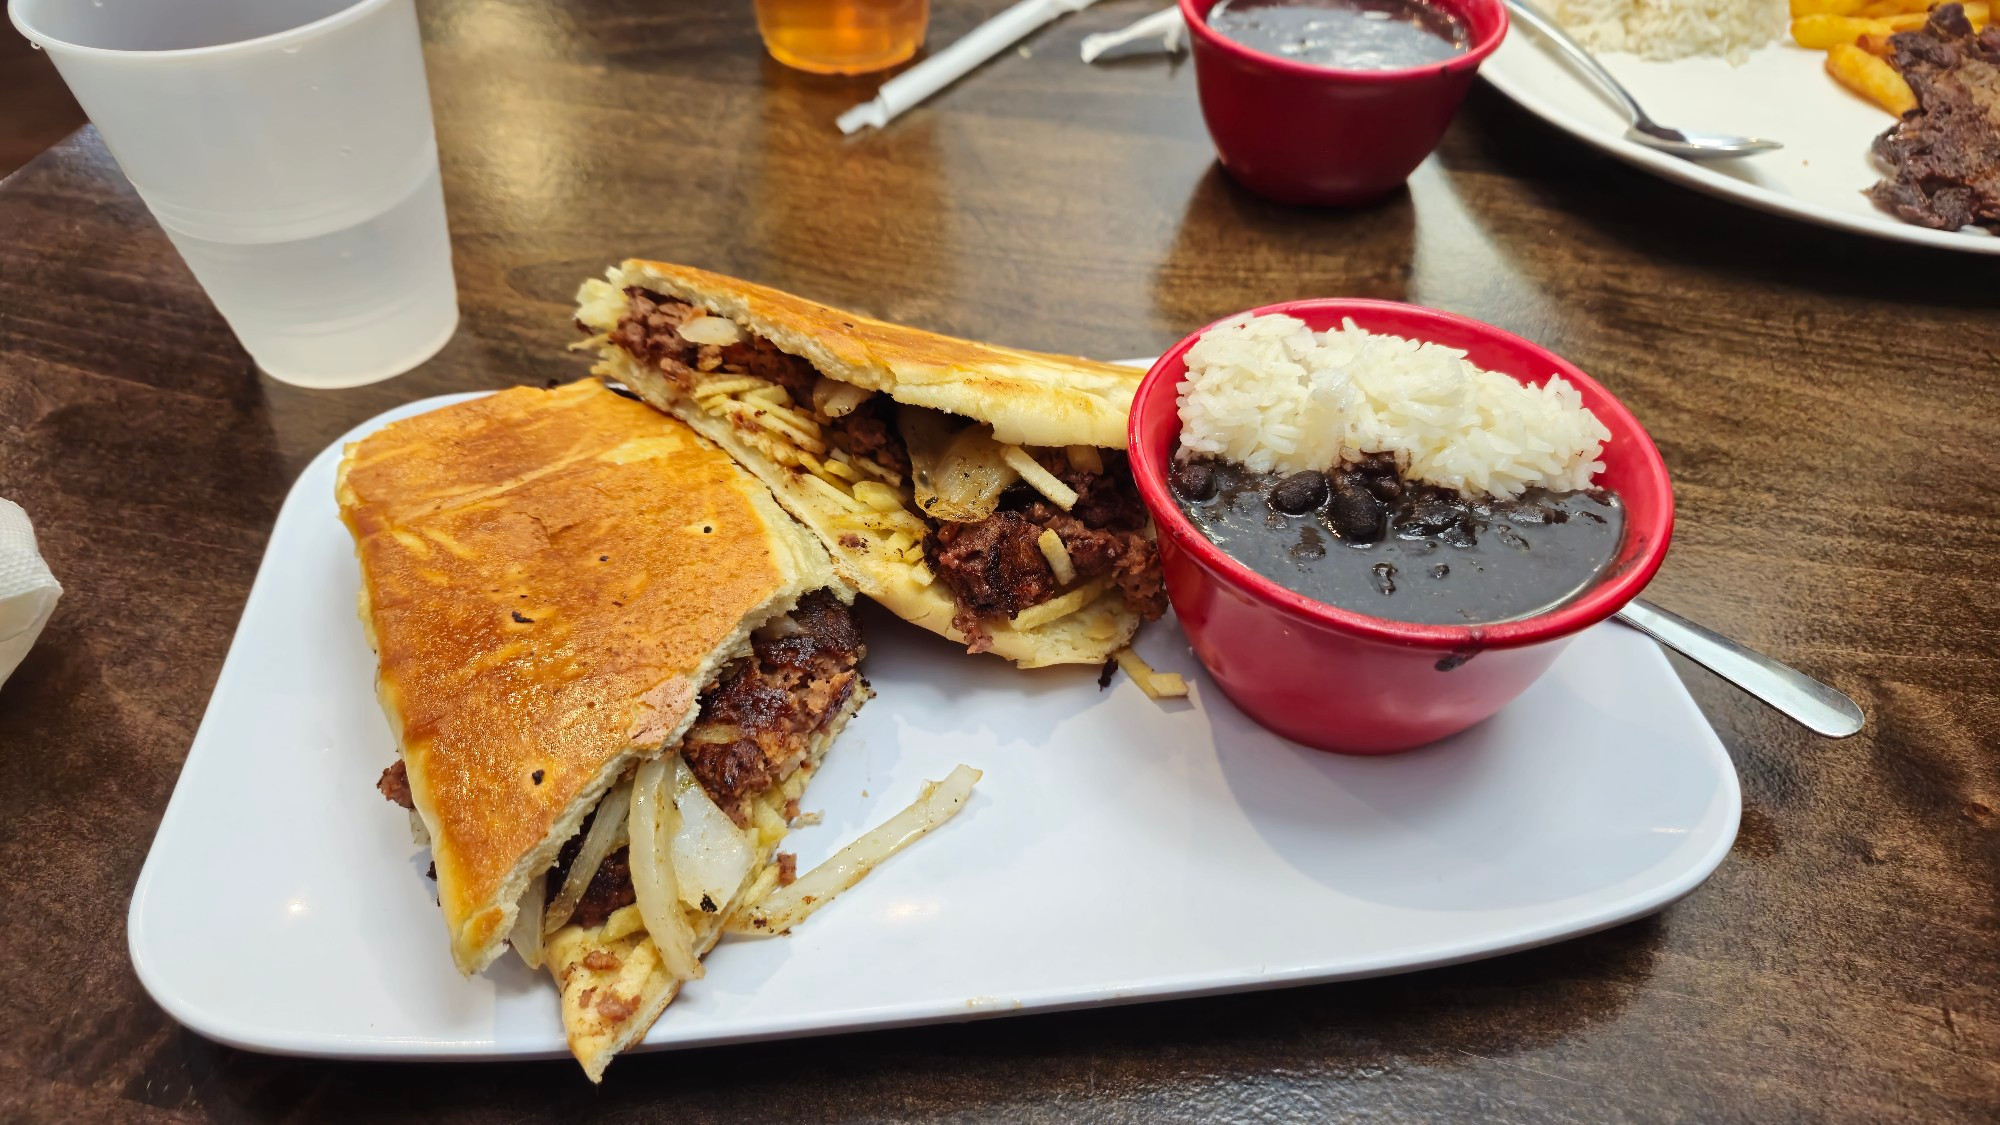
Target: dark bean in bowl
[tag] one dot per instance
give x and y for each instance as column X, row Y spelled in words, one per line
column 1361, row 538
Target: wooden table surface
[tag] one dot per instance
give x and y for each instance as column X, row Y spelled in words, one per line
column 1829, row 407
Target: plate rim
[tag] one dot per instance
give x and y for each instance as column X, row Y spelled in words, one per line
column 1501, row 77
column 222, row 1028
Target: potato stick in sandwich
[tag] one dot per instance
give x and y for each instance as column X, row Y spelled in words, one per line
column 1870, row 77
column 1877, row 9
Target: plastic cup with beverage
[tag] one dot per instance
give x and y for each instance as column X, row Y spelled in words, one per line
column 842, row 36
column 286, row 147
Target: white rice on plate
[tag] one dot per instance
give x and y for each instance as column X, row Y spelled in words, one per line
column 1674, row 29
column 1274, row 396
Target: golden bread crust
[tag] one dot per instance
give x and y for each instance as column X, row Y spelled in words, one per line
column 548, row 579
column 1029, row 398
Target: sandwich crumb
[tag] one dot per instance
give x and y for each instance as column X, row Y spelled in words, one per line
column 615, row 1008
column 536, row 776
column 522, row 620
column 788, row 868
column 1104, row 673
column 707, row 905
column 604, row 558
column 604, row 961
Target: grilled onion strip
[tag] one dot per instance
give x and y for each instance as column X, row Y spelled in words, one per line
column 527, row 933
column 786, row 907
column 655, row 820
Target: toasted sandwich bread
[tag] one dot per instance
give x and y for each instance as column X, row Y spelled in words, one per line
column 550, row 580
column 785, row 385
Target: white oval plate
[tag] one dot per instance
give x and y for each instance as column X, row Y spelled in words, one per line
column 1782, row 92
column 1117, row 850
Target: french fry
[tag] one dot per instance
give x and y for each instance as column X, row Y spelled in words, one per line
column 1877, row 45
column 1976, row 13
column 1803, row 8
column 1878, row 9
column 1870, row 77
column 1822, row 32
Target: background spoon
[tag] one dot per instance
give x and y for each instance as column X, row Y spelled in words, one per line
column 1691, row 144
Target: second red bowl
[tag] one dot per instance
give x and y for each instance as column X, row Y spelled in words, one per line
column 1298, row 133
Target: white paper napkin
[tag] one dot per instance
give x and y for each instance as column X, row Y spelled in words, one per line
column 28, row 592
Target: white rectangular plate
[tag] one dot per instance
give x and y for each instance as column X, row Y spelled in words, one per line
column 1117, row 850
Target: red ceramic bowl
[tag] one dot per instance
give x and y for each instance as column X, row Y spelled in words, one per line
column 1311, row 134
column 1340, row 680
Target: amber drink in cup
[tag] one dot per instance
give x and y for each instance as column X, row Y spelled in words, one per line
column 842, row 36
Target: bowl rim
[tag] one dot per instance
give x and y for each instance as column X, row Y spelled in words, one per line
column 1594, row 605
column 1198, row 28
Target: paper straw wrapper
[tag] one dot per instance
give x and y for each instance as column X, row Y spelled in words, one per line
column 1165, row 25
column 911, row 87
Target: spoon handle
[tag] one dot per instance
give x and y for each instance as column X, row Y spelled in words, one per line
column 1586, row 62
column 1821, row 708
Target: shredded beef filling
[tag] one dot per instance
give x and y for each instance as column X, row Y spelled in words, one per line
column 394, row 785
column 650, row 332
column 996, row 566
column 609, row 890
column 993, row 568
column 759, row 721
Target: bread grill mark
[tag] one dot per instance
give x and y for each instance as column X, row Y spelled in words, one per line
column 991, row 567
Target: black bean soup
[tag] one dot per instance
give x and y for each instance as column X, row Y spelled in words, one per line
column 1344, row 34
column 1360, row 538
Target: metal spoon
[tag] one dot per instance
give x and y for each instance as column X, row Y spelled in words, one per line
column 1687, row 143
column 1821, row 708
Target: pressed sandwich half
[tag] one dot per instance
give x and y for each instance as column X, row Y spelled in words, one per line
column 611, row 663
column 978, row 491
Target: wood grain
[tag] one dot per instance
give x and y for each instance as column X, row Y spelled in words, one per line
column 1829, row 407
column 39, row 108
